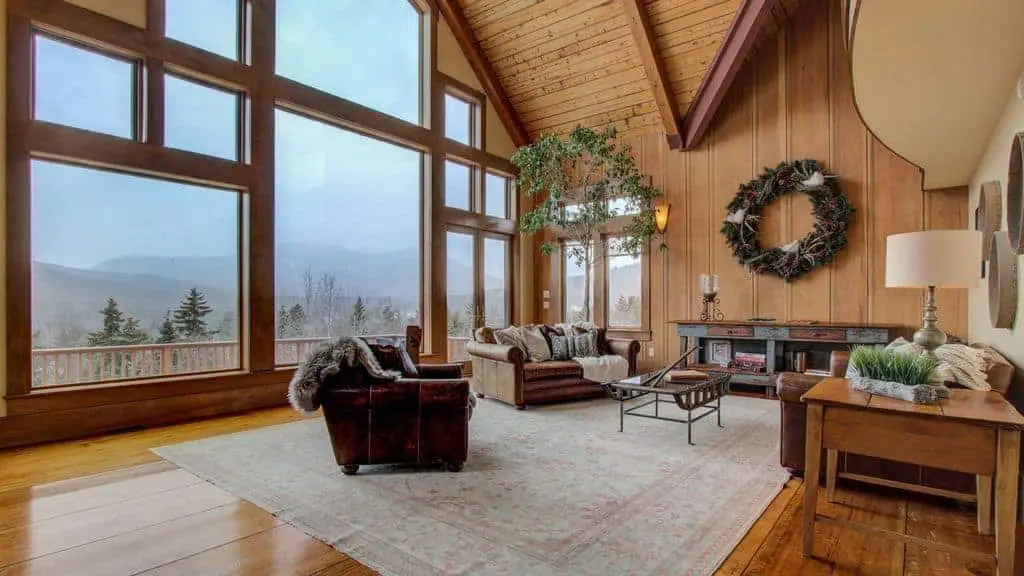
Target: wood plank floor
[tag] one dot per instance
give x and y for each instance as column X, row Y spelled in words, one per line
column 108, row 506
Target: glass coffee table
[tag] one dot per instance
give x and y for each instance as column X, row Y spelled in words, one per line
column 688, row 396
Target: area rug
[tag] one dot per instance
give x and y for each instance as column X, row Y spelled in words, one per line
column 546, row 491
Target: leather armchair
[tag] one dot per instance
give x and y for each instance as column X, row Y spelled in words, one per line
column 422, row 420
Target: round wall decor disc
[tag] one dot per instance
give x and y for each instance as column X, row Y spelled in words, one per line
column 1002, row 282
column 990, row 213
column 1015, row 194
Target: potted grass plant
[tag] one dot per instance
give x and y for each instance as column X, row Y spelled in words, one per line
column 902, row 376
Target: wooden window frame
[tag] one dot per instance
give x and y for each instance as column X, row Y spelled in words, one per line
column 260, row 381
column 643, row 330
column 599, row 303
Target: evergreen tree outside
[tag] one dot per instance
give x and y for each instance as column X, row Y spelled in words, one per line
column 113, row 325
column 297, row 320
column 358, row 319
column 132, row 334
column 168, row 333
column 283, row 329
column 190, row 317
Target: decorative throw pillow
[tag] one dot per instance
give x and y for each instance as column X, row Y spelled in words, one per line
column 484, row 334
column 511, row 336
column 560, row 347
column 536, row 345
column 584, row 344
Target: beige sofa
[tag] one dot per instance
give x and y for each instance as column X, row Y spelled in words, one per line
column 502, row 372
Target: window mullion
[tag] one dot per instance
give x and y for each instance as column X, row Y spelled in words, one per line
column 151, row 92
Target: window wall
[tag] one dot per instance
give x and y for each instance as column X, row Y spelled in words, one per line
column 213, row 194
column 479, row 225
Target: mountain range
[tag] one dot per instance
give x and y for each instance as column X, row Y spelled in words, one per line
column 148, row 286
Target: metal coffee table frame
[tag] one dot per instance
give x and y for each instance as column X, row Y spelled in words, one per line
column 688, row 397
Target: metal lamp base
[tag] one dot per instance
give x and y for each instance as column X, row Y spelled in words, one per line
column 929, row 337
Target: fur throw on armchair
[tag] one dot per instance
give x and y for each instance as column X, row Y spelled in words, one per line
column 325, row 361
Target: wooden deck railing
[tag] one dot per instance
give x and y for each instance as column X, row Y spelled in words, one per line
column 90, row 364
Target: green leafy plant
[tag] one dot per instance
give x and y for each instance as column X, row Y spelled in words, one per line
column 574, row 179
column 887, row 365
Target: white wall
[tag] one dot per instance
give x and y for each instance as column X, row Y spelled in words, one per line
column 1010, row 343
column 993, row 166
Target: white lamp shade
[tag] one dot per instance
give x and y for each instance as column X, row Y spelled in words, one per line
column 940, row 258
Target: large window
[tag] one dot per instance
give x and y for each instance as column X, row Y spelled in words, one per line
column 208, row 24
column 458, row 185
column 347, row 230
column 211, row 195
column 496, row 282
column 129, row 280
column 624, row 275
column 201, row 118
column 79, row 87
column 367, row 52
column 577, row 289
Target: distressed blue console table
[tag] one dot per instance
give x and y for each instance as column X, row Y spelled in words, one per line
column 777, row 340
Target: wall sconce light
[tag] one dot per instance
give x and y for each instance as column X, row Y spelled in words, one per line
column 661, row 217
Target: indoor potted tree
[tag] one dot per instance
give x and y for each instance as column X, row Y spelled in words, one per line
column 572, row 182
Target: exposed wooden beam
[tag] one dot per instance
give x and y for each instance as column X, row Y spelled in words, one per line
column 750, row 19
column 484, row 71
column 643, row 35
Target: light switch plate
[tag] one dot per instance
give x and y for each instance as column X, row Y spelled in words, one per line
column 650, row 351
column 546, row 305
column 546, row 294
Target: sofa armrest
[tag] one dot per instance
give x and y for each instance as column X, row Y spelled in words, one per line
column 453, row 392
column 628, row 349
column 498, row 352
column 790, row 386
column 439, row 371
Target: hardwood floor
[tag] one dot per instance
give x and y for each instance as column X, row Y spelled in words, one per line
column 108, row 506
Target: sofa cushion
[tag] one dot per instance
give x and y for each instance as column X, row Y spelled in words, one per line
column 559, row 347
column 484, row 334
column 537, row 349
column 511, row 336
column 551, row 369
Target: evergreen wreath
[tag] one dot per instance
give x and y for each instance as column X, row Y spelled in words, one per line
column 832, row 216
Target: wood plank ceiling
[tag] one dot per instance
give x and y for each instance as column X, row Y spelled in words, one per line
column 568, row 62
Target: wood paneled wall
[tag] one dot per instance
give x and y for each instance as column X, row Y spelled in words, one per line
column 792, row 100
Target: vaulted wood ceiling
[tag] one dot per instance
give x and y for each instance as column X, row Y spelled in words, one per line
column 568, row 62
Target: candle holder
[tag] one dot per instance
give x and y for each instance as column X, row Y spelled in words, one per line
column 709, row 298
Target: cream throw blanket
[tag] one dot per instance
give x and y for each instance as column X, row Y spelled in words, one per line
column 957, row 363
column 603, row 368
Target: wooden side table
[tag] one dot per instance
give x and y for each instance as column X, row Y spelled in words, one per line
column 973, row 432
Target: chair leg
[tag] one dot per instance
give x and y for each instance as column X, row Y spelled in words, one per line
column 520, row 406
column 480, row 395
column 454, row 466
column 350, row 469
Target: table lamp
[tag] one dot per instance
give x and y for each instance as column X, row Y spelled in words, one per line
column 932, row 259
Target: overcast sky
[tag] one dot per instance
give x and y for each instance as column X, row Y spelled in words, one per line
column 333, row 187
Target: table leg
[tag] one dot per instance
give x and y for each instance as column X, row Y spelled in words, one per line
column 719, row 406
column 657, row 400
column 1007, row 471
column 622, row 410
column 831, row 464
column 689, row 427
column 984, row 484
column 812, row 472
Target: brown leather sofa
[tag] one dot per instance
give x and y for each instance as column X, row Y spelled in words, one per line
column 423, row 418
column 502, row 372
column 791, row 386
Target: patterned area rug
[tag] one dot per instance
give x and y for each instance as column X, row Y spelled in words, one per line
column 555, row 490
